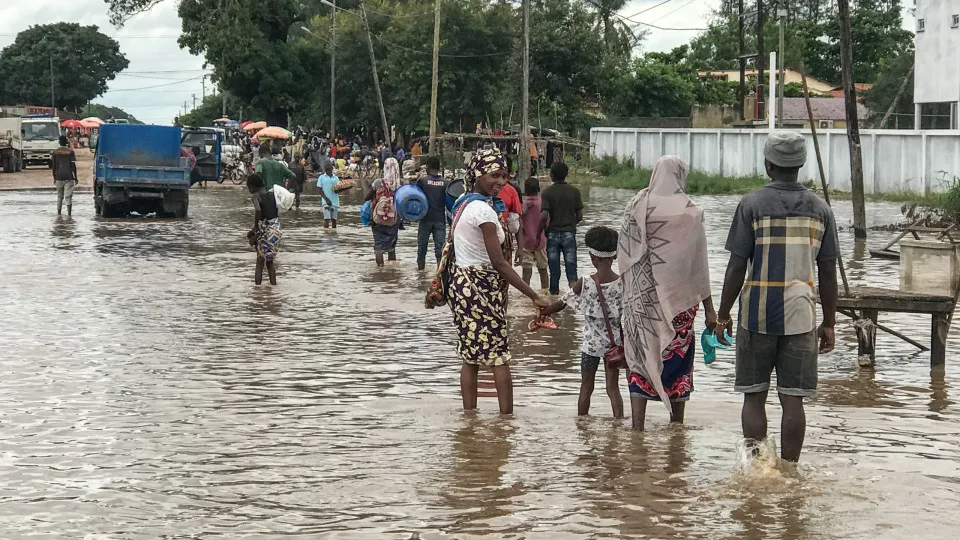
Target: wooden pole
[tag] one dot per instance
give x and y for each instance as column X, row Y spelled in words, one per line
column 436, row 79
column 376, row 78
column 823, row 176
column 761, row 63
column 853, row 125
column 896, row 99
column 524, row 171
column 741, row 89
column 333, row 72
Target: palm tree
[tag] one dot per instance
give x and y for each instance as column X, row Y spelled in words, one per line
column 618, row 34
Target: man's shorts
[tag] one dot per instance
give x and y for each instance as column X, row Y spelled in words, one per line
column 529, row 258
column 794, row 358
column 330, row 212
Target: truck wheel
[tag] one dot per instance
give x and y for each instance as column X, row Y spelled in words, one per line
column 181, row 211
column 8, row 164
column 110, row 210
column 19, row 163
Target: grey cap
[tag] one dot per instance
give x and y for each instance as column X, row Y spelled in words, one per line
column 786, row 149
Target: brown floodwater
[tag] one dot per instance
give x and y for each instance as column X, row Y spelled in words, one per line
column 149, row 390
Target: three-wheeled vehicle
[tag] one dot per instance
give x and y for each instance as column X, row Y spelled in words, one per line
column 206, row 145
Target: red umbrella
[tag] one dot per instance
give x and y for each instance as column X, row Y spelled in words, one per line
column 247, row 123
column 71, row 124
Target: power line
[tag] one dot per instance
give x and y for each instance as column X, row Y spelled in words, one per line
column 154, row 86
column 641, row 12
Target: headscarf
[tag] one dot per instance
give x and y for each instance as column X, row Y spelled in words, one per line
column 484, row 162
column 662, row 254
column 391, row 174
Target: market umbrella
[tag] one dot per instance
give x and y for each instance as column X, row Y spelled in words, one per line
column 247, row 123
column 89, row 123
column 92, row 120
column 255, row 126
column 223, row 120
column 71, row 124
column 273, row 132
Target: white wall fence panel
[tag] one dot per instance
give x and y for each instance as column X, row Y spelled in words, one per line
column 893, row 160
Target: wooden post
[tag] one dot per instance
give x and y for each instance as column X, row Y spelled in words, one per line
column 823, row 175
column 939, row 327
column 866, row 328
column 524, row 172
column 853, row 125
column 741, row 88
column 436, row 79
column 376, row 77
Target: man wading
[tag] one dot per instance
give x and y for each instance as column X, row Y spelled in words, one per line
column 780, row 236
column 64, row 175
column 562, row 211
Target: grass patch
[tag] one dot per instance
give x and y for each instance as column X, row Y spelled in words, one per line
column 608, row 172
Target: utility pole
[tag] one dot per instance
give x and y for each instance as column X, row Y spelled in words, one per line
column 761, row 62
column 194, row 96
column 524, row 171
column 376, row 78
column 741, row 90
column 436, row 79
column 203, row 86
column 53, row 98
column 853, row 127
column 781, row 54
column 333, row 72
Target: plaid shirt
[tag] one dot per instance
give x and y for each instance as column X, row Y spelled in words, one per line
column 783, row 230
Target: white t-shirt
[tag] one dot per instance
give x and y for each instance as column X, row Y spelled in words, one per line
column 467, row 236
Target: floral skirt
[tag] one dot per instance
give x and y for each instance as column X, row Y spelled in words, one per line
column 478, row 299
column 678, row 359
column 268, row 239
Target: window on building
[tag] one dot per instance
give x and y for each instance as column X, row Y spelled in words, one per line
column 921, row 25
column 955, row 21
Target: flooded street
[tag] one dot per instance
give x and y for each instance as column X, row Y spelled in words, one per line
column 149, row 389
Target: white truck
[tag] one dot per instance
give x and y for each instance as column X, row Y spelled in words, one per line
column 41, row 136
column 11, row 147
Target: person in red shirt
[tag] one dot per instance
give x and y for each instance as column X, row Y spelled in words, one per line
column 511, row 199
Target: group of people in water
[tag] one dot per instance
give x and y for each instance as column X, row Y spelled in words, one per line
column 651, row 279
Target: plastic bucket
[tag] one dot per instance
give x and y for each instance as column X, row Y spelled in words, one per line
column 411, row 203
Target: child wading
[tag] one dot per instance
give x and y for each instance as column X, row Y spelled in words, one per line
column 266, row 234
column 534, row 247
column 599, row 299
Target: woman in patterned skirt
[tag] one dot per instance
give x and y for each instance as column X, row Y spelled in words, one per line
column 666, row 276
column 266, row 232
column 481, row 279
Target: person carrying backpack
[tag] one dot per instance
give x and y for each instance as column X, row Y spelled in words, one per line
column 385, row 222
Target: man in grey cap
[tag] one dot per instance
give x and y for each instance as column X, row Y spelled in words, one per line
column 782, row 237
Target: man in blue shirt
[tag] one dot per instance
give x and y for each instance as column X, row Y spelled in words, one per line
column 331, row 199
column 434, row 186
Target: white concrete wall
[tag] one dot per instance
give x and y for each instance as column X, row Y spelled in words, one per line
column 894, row 161
column 937, row 73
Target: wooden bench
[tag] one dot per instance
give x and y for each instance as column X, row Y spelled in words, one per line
column 871, row 301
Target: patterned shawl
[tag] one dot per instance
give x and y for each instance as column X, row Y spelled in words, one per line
column 663, row 264
column 391, row 174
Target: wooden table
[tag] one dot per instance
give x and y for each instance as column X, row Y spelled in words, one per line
column 870, row 301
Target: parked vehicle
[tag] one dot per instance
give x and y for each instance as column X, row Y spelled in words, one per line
column 138, row 169
column 41, row 136
column 209, row 142
column 11, row 144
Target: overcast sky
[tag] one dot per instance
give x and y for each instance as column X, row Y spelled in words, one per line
column 174, row 76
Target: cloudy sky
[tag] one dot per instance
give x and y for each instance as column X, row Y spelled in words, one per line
column 161, row 76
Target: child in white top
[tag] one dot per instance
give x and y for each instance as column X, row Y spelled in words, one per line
column 584, row 297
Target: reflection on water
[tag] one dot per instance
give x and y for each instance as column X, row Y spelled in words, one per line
column 150, row 390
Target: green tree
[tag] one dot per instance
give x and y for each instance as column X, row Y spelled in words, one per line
column 84, row 60
column 893, row 72
column 105, row 112
column 656, row 89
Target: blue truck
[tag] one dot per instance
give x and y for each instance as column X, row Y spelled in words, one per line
column 139, row 168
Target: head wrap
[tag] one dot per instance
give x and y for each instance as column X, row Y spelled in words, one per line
column 391, row 174
column 484, row 162
column 786, row 149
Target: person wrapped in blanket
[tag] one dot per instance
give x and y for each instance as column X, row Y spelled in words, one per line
column 266, row 233
column 481, row 279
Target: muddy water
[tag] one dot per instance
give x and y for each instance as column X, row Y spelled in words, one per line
column 148, row 389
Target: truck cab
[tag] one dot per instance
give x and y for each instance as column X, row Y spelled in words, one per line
column 139, row 169
column 206, row 145
column 40, row 136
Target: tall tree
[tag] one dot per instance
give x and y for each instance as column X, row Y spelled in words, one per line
column 83, row 61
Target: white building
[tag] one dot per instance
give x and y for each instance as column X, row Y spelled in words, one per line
column 937, row 71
